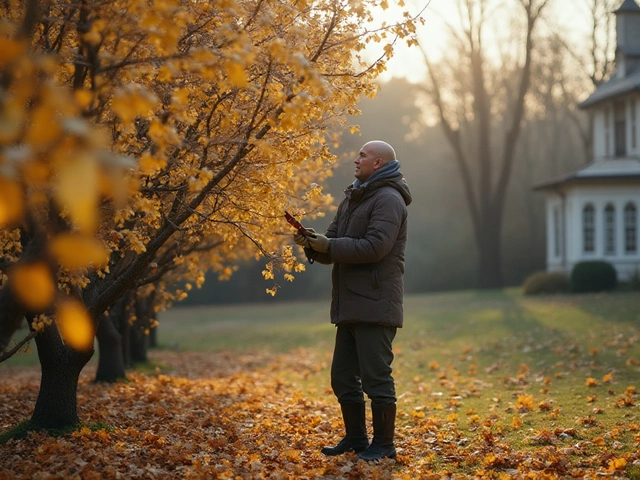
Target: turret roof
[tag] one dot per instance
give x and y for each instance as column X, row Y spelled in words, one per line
column 613, row 88
column 628, row 6
column 611, row 170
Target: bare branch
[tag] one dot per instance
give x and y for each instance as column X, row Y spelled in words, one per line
column 9, row 353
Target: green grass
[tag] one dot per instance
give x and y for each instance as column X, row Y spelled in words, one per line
column 450, row 341
column 471, row 359
column 279, row 327
column 467, row 357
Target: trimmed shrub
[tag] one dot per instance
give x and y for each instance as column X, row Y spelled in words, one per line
column 546, row 282
column 593, row 276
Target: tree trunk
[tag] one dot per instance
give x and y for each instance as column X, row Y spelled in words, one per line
column 56, row 406
column 111, row 366
column 489, row 257
column 153, row 337
column 143, row 327
column 152, row 317
column 139, row 340
column 11, row 317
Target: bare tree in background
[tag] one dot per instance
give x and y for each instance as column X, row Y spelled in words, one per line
column 595, row 64
column 475, row 104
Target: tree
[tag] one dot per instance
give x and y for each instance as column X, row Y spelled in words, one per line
column 216, row 116
column 594, row 65
column 475, row 103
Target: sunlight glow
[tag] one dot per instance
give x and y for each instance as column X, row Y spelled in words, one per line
column 442, row 17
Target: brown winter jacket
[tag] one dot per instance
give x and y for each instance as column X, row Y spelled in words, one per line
column 369, row 235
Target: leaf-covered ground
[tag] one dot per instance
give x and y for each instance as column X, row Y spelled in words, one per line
column 490, row 385
column 223, row 415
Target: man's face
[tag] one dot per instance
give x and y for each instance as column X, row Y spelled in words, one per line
column 366, row 163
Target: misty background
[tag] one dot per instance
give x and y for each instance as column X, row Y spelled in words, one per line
column 440, row 253
column 499, row 74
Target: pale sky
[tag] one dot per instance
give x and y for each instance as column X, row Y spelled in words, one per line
column 571, row 15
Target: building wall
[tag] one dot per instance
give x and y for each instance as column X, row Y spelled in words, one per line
column 633, row 126
column 556, row 236
column 604, row 129
column 572, row 206
column 600, row 145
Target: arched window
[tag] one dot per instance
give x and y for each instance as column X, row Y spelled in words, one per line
column 588, row 229
column 630, row 228
column 610, row 230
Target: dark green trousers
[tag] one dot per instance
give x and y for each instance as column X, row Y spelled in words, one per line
column 362, row 364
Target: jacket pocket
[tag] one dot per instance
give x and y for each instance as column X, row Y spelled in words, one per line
column 364, row 283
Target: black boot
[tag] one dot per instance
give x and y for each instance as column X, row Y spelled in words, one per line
column 356, row 439
column 384, row 418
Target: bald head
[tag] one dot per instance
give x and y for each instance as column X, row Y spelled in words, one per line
column 381, row 149
column 371, row 157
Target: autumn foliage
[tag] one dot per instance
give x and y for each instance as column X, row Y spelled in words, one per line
column 146, row 143
column 169, row 137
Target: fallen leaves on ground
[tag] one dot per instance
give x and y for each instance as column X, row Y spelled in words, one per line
column 228, row 416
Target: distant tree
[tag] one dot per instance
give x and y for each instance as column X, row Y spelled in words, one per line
column 593, row 64
column 477, row 100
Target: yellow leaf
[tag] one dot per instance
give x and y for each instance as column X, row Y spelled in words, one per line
column 180, row 96
column 75, row 251
column 617, row 464
column 77, row 191
column 11, row 203
column 516, row 423
column 132, row 101
column 33, row 284
column 236, row 74
column 165, row 73
column 84, row 98
column 11, row 50
column 75, row 325
column 149, row 164
column 11, row 123
column 44, row 127
column 92, row 37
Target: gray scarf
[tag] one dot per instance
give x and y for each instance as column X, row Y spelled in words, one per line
column 387, row 171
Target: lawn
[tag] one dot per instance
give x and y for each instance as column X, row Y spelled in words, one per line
column 543, row 371
column 489, row 384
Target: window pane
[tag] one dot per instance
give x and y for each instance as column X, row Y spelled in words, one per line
column 634, row 133
column 588, row 226
column 620, row 129
column 607, row 134
column 609, row 230
column 557, row 233
column 630, row 228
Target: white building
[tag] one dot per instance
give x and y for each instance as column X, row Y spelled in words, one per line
column 594, row 213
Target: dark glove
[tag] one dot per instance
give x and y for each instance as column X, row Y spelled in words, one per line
column 319, row 243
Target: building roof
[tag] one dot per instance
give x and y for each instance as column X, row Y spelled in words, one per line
column 618, row 169
column 613, row 88
column 628, row 6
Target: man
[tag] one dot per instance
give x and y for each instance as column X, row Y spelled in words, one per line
column 365, row 242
